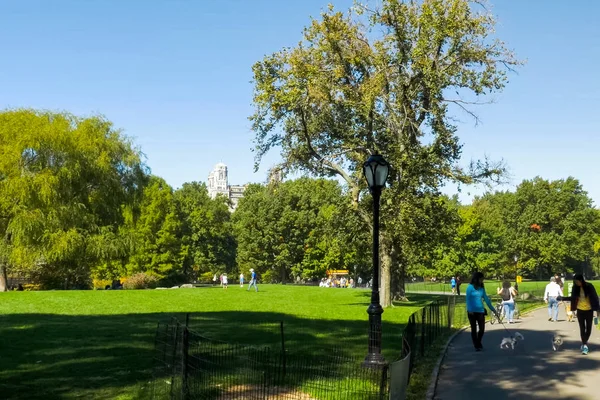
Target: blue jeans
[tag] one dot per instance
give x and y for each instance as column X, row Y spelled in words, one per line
column 509, row 310
column 553, row 308
column 253, row 283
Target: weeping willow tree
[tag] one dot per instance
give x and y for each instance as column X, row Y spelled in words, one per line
column 64, row 182
column 386, row 80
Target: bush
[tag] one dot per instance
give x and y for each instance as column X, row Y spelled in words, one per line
column 100, row 284
column 269, row 276
column 140, row 281
column 206, row 277
column 28, row 287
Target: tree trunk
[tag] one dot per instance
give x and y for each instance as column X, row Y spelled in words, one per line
column 3, row 279
column 385, row 271
column 398, row 275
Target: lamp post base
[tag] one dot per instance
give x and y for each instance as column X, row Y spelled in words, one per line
column 374, row 361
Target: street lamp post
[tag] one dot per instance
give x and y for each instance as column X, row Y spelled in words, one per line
column 376, row 171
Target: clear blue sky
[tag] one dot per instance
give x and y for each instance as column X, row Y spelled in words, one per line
column 176, row 75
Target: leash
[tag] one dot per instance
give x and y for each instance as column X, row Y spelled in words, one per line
column 505, row 328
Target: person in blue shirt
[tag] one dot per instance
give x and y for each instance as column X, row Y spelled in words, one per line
column 453, row 285
column 252, row 280
column 475, row 309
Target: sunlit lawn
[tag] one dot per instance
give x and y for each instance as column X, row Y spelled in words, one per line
column 99, row 344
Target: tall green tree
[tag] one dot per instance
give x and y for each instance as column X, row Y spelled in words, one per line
column 157, row 233
column 63, row 183
column 297, row 230
column 208, row 241
column 387, row 81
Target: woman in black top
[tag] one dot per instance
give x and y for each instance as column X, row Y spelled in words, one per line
column 584, row 299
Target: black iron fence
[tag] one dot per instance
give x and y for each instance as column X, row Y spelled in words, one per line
column 189, row 365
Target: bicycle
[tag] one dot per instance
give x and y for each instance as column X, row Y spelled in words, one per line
column 498, row 314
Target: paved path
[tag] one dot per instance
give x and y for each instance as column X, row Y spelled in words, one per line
column 531, row 371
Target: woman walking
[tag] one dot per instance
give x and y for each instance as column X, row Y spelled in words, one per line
column 475, row 309
column 508, row 294
column 584, row 299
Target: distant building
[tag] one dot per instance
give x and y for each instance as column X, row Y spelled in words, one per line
column 218, row 183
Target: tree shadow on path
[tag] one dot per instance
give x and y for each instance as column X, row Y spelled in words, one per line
column 531, row 371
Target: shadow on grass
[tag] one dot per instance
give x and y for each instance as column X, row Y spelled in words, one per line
column 47, row 356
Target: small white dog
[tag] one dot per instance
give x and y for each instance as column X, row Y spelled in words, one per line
column 557, row 341
column 511, row 342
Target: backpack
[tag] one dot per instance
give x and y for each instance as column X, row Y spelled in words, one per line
column 506, row 295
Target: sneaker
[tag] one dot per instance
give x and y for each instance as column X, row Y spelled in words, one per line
column 585, row 350
column 549, row 319
column 478, row 348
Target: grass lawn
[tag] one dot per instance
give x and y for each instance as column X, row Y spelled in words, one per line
column 99, row 344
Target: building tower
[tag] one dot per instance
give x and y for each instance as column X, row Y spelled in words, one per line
column 217, row 181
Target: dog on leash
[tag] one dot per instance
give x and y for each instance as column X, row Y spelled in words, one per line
column 511, row 342
column 569, row 312
column 557, row 341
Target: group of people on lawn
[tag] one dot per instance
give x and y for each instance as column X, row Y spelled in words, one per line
column 225, row 281
column 343, row 282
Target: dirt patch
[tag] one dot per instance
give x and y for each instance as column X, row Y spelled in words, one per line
column 248, row 392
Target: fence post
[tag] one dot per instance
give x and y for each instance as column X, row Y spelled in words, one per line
column 384, row 382
column 184, row 358
column 423, row 320
column 449, row 315
column 283, row 361
column 174, row 358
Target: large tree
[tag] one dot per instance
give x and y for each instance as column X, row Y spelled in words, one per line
column 297, row 230
column 208, row 243
column 383, row 81
column 63, row 183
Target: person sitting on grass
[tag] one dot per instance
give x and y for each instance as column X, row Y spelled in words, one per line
column 475, row 309
column 584, row 299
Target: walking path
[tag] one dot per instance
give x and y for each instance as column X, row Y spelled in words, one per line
column 531, row 371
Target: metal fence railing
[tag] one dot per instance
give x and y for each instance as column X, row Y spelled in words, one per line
column 189, row 365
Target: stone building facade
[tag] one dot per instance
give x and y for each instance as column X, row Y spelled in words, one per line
column 218, row 183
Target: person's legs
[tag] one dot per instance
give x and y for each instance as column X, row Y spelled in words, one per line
column 587, row 318
column 550, row 309
column 481, row 323
column 581, row 319
column 554, row 309
column 511, row 311
column 506, row 310
column 473, row 323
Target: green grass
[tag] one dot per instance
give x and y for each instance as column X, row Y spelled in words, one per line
column 99, row 344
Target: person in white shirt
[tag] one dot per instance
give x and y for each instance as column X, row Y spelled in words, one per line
column 242, row 279
column 551, row 298
column 224, row 281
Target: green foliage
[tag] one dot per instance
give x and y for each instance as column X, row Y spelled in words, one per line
column 208, row 242
column 389, row 86
column 497, row 227
column 140, row 281
column 63, row 183
column 157, row 232
column 297, row 230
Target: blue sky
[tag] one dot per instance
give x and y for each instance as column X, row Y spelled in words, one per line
column 175, row 75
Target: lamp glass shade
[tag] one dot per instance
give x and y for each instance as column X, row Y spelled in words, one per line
column 376, row 171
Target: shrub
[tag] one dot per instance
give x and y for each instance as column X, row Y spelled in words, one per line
column 28, row 287
column 100, row 284
column 206, row 277
column 140, row 281
column 269, row 276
